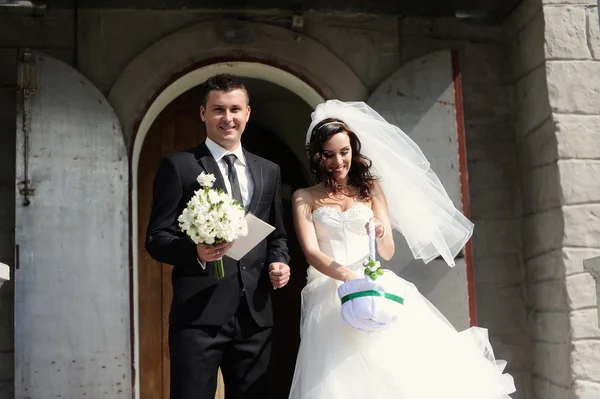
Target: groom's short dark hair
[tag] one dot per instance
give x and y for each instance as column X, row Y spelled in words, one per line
column 222, row 82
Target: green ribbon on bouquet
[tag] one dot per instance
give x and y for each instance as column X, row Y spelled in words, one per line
column 381, row 294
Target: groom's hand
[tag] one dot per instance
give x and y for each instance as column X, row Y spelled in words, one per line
column 279, row 273
column 210, row 253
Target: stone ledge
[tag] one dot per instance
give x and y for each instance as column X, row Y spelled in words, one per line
column 4, row 273
column 592, row 266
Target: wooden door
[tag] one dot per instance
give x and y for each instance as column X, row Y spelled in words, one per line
column 178, row 128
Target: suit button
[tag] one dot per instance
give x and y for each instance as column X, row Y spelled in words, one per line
column 243, row 266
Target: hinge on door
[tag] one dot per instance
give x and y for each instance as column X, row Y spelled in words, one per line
column 26, row 88
column 26, row 83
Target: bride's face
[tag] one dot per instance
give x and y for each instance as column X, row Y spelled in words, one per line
column 337, row 154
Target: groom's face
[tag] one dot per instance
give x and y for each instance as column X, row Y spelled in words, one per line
column 225, row 116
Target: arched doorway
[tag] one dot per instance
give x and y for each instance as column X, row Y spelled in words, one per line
column 276, row 131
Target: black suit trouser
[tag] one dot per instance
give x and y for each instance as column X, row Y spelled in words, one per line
column 240, row 347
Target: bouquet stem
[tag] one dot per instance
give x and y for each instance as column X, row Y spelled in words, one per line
column 218, row 269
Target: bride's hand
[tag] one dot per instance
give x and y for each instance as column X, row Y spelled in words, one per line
column 349, row 276
column 379, row 228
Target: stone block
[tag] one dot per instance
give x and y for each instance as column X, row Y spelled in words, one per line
column 549, row 296
column 486, row 135
column 593, row 32
column 584, row 324
column 532, row 108
column 483, row 101
column 581, row 225
column 526, row 49
column 543, row 232
column 498, row 202
column 517, row 359
column 501, row 309
column 581, row 291
column 558, row 264
column 500, row 270
column 494, row 149
column 565, row 33
column 361, row 39
column 479, row 239
column 577, row 136
column 521, row 16
column 573, row 86
column 538, row 147
column 541, row 188
column 573, row 259
column 492, row 174
column 547, row 266
column 586, row 360
column 504, row 236
column 579, row 181
column 54, row 30
column 586, row 389
column 522, row 384
column 545, row 389
column 484, row 62
column 450, row 27
column 552, row 362
column 552, row 327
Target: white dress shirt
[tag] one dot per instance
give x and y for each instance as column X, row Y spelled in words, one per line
column 241, row 167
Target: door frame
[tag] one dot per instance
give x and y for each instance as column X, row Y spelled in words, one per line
column 248, row 69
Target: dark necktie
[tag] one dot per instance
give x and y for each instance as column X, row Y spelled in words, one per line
column 236, row 193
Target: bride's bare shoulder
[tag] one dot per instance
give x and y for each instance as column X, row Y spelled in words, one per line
column 306, row 195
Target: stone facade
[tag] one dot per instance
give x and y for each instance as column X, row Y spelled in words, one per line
column 532, row 116
column 556, row 89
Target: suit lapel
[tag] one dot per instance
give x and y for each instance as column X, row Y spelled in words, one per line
column 208, row 163
column 256, row 172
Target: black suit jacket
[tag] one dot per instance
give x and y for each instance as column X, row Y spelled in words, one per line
column 198, row 298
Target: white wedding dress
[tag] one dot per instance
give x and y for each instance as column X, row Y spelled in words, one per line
column 421, row 357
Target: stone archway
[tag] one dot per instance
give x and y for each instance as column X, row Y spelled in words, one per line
column 178, row 62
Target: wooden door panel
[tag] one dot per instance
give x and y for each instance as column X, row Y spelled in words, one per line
column 149, row 279
column 177, row 128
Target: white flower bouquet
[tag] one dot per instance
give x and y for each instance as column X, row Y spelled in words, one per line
column 211, row 216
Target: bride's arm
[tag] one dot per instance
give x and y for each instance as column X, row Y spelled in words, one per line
column 385, row 244
column 307, row 236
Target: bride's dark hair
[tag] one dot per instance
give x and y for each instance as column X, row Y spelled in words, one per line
column 359, row 174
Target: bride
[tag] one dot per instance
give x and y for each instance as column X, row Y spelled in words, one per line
column 363, row 164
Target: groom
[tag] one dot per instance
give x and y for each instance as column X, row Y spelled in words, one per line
column 225, row 322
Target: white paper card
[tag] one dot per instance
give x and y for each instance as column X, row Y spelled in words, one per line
column 257, row 231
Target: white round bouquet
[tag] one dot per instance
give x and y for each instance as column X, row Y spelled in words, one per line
column 212, row 217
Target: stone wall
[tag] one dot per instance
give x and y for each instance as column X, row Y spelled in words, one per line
column 554, row 48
